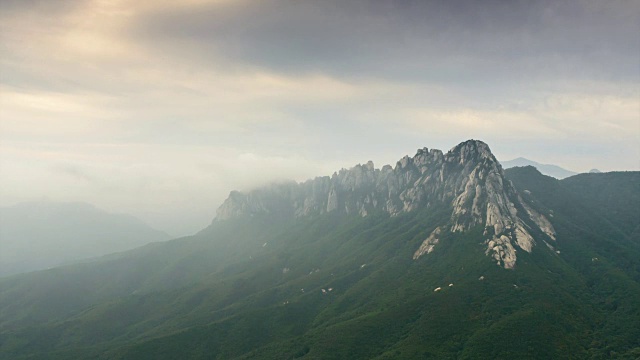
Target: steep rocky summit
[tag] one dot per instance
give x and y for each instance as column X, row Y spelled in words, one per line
column 467, row 180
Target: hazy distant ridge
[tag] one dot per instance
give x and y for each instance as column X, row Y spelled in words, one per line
column 42, row 234
column 547, row 169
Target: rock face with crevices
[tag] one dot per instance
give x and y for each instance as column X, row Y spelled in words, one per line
column 467, row 180
column 428, row 245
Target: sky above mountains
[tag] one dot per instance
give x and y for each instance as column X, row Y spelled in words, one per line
column 160, row 108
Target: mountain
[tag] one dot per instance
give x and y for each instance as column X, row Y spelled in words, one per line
column 42, row 234
column 444, row 255
column 547, row 169
column 612, row 195
column 467, row 181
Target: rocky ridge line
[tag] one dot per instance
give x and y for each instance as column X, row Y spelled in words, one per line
column 468, row 179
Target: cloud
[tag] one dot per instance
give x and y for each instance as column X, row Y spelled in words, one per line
column 554, row 116
column 462, row 42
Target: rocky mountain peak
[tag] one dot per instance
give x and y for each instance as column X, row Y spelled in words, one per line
column 472, row 149
column 468, row 180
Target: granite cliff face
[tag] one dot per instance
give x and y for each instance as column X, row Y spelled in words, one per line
column 467, row 180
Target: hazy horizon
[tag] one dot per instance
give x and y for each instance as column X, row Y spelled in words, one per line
column 198, row 221
column 160, row 109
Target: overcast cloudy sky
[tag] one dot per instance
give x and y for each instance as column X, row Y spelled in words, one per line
column 159, row 108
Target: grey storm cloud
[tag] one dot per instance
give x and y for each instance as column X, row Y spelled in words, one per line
column 444, row 41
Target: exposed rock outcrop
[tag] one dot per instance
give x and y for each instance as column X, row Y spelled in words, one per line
column 428, row 245
column 468, row 179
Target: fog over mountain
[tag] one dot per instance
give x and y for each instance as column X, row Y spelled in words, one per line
column 547, row 169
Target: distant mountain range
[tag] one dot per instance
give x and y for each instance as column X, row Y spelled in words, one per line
column 444, row 255
column 41, row 234
column 547, row 169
